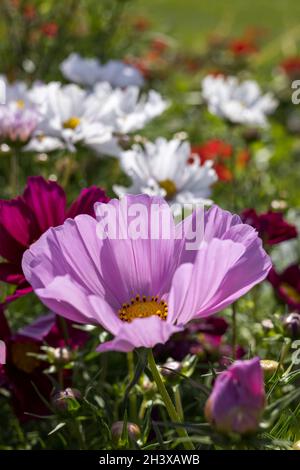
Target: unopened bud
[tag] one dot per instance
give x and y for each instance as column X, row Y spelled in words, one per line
column 133, row 430
column 61, row 399
column 60, row 355
column 292, row 325
column 170, row 368
column 267, row 325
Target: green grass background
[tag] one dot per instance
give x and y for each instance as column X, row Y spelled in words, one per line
column 190, row 21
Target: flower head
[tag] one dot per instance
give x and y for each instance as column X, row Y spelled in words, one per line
column 17, row 124
column 238, row 398
column 287, row 285
column 161, row 168
column 271, row 226
column 137, row 276
column 239, row 103
column 25, row 218
column 88, row 72
column 71, row 115
column 220, row 152
column 291, row 67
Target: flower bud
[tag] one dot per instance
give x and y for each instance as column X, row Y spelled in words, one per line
column 59, row 356
column 133, row 430
column 238, row 398
column 61, row 399
column 170, row 368
column 270, row 367
column 292, row 325
column 267, row 325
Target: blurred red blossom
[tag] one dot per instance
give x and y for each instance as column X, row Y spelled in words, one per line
column 291, row 67
column 287, row 285
column 220, row 152
column 50, row 29
column 271, row 226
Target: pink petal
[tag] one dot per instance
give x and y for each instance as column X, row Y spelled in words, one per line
column 2, row 352
column 212, row 263
column 40, row 328
column 67, row 298
column 138, row 266
column 105, row 315
column 142, row 332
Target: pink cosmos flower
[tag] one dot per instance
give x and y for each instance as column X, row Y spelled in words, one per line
column 25, row 218
column 145, row 289
column 17, row 124
column 238, row 398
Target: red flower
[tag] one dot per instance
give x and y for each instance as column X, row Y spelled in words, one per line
column 29, row 12
column 23, row 375
column 287, row 285
column 291, row 67
column 50, row 29
column 141, row 24
column 159, row 45
column 220, row 152
column 24, row 219
column 242, row 47
column 271, row 226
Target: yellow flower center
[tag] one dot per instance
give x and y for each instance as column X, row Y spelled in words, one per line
column 143, row 307
column 20, row 104
column 290, row 292
column 170, row 187
column 22, row 359
column 71, row 123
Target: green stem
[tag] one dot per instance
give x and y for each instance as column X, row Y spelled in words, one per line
column 188, row 445
column 132, row 395
column 178, row 402
column 234, row 331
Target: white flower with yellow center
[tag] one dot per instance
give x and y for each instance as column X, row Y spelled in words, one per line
column 238, row 102
column 71, row 115
column 88, row 72
column 163, row 168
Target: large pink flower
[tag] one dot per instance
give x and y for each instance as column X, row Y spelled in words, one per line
column 143, row 290
column 25, row 218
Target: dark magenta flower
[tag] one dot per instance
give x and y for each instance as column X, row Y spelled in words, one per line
column 24, row 219
column 238, row 398
column 271, row 226
column 23, row 374
column 287, row 285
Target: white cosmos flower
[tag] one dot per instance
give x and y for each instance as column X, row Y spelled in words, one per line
column 88, row 72
column 124, row 111
column 162, row 168
column 71, row 115
column 15, row 93
column 238, row 102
